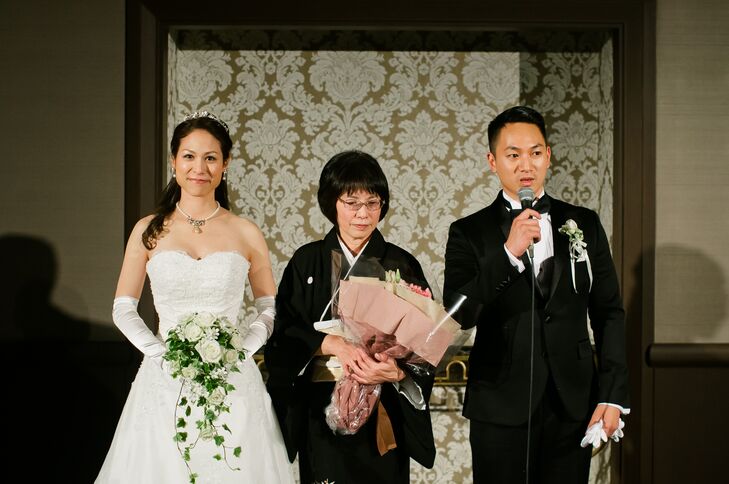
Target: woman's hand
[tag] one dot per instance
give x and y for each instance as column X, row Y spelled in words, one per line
column 380, row 370
column 359, row 365
column 349, row 355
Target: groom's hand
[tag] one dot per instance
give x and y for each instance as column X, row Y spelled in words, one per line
column 609, row 415
column 524, row 231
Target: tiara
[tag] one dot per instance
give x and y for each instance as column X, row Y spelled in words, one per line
column 205, row 114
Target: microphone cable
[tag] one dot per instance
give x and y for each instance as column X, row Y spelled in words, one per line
column 531, row 362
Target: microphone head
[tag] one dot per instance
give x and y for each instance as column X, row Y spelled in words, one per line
column 526, row 197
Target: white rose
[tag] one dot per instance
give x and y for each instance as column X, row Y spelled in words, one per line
column 171, row 367
column 205, row 319
column 217, row 396
column 189, row 372
column 207, row 433
column 237, row 341
column 231, row 356
column 210, row 351
column 571, row 224
column 187, row 318
column 192, row 332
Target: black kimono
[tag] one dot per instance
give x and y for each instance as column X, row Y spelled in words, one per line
column 304, row 292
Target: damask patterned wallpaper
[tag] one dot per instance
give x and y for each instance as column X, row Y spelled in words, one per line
column 419, row 102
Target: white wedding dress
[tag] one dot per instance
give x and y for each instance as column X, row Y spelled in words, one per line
column 143, row 450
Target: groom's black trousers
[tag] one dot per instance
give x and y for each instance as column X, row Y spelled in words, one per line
column 499, row 451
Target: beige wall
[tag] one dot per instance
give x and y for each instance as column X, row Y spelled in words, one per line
column 61, row 132
column 692, row 263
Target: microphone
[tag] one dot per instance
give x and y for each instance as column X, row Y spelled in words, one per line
column 526, row 197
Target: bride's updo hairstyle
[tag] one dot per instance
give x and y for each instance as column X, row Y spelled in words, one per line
column 346, row 173
column 171, row 194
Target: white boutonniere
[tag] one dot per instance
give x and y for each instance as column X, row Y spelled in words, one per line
column 578, row 248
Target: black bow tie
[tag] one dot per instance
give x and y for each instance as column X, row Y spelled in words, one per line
column 542, row 205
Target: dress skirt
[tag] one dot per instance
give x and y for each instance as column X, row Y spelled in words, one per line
column 143, row 449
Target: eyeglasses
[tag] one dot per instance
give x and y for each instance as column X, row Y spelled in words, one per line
column 355, row 205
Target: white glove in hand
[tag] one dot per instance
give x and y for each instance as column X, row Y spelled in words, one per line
column 618, row 434
column 596, row 435
column 262, row 327
column 127, row 319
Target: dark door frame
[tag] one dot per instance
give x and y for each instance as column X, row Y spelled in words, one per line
column 148, row 23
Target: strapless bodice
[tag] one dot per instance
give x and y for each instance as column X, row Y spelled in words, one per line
column 181, row 285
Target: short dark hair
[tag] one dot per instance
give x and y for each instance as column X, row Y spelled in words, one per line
column 516, row 114
column 348, row 172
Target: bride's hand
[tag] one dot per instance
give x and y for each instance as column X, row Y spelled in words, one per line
column 350, row 356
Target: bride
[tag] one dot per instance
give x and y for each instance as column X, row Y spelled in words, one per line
column 197, row 255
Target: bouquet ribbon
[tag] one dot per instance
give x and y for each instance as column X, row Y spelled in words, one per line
column 385, row 434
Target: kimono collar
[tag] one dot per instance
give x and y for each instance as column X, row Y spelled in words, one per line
column 351, row 258
column 375, row 246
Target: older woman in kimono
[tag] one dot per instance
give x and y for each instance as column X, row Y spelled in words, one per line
column 304, row 363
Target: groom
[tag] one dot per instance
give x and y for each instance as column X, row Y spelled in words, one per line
column 533, row 377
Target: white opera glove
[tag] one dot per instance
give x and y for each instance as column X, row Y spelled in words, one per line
column 261, row 328
column 127, row 319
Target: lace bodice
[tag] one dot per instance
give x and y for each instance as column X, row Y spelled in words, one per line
column 181, row 285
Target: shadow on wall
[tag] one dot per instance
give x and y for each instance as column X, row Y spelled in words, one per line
column 691, row 296
column 63, row 393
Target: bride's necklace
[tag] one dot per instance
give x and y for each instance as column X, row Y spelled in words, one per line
column 197, row 222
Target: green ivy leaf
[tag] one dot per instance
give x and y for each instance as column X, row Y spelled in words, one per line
column 218, row 457
column 236, row 451
column 180, row 437
column 219, row 439
column 181, row 423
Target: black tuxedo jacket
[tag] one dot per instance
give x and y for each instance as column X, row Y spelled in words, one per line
column 304, row 292
column 476, row 265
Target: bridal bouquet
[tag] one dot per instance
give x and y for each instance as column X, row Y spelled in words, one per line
column 201, row 350
column 386, row 315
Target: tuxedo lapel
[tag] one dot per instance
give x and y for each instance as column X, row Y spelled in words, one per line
column 504, row 216
column 559, row 242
